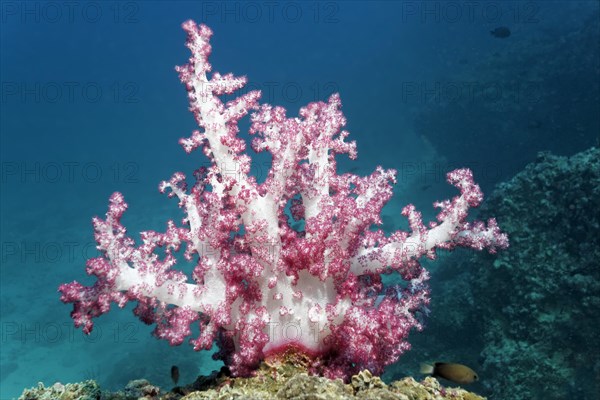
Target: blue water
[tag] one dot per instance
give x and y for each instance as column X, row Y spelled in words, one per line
column 91, row 104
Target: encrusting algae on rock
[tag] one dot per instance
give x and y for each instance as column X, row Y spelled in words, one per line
column 286, row 378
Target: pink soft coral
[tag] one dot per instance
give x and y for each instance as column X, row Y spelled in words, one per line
column 259, row 286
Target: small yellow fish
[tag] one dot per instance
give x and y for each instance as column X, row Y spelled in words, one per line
column 456, row 373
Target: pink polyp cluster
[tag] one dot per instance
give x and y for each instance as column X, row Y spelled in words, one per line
column 261, row 285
